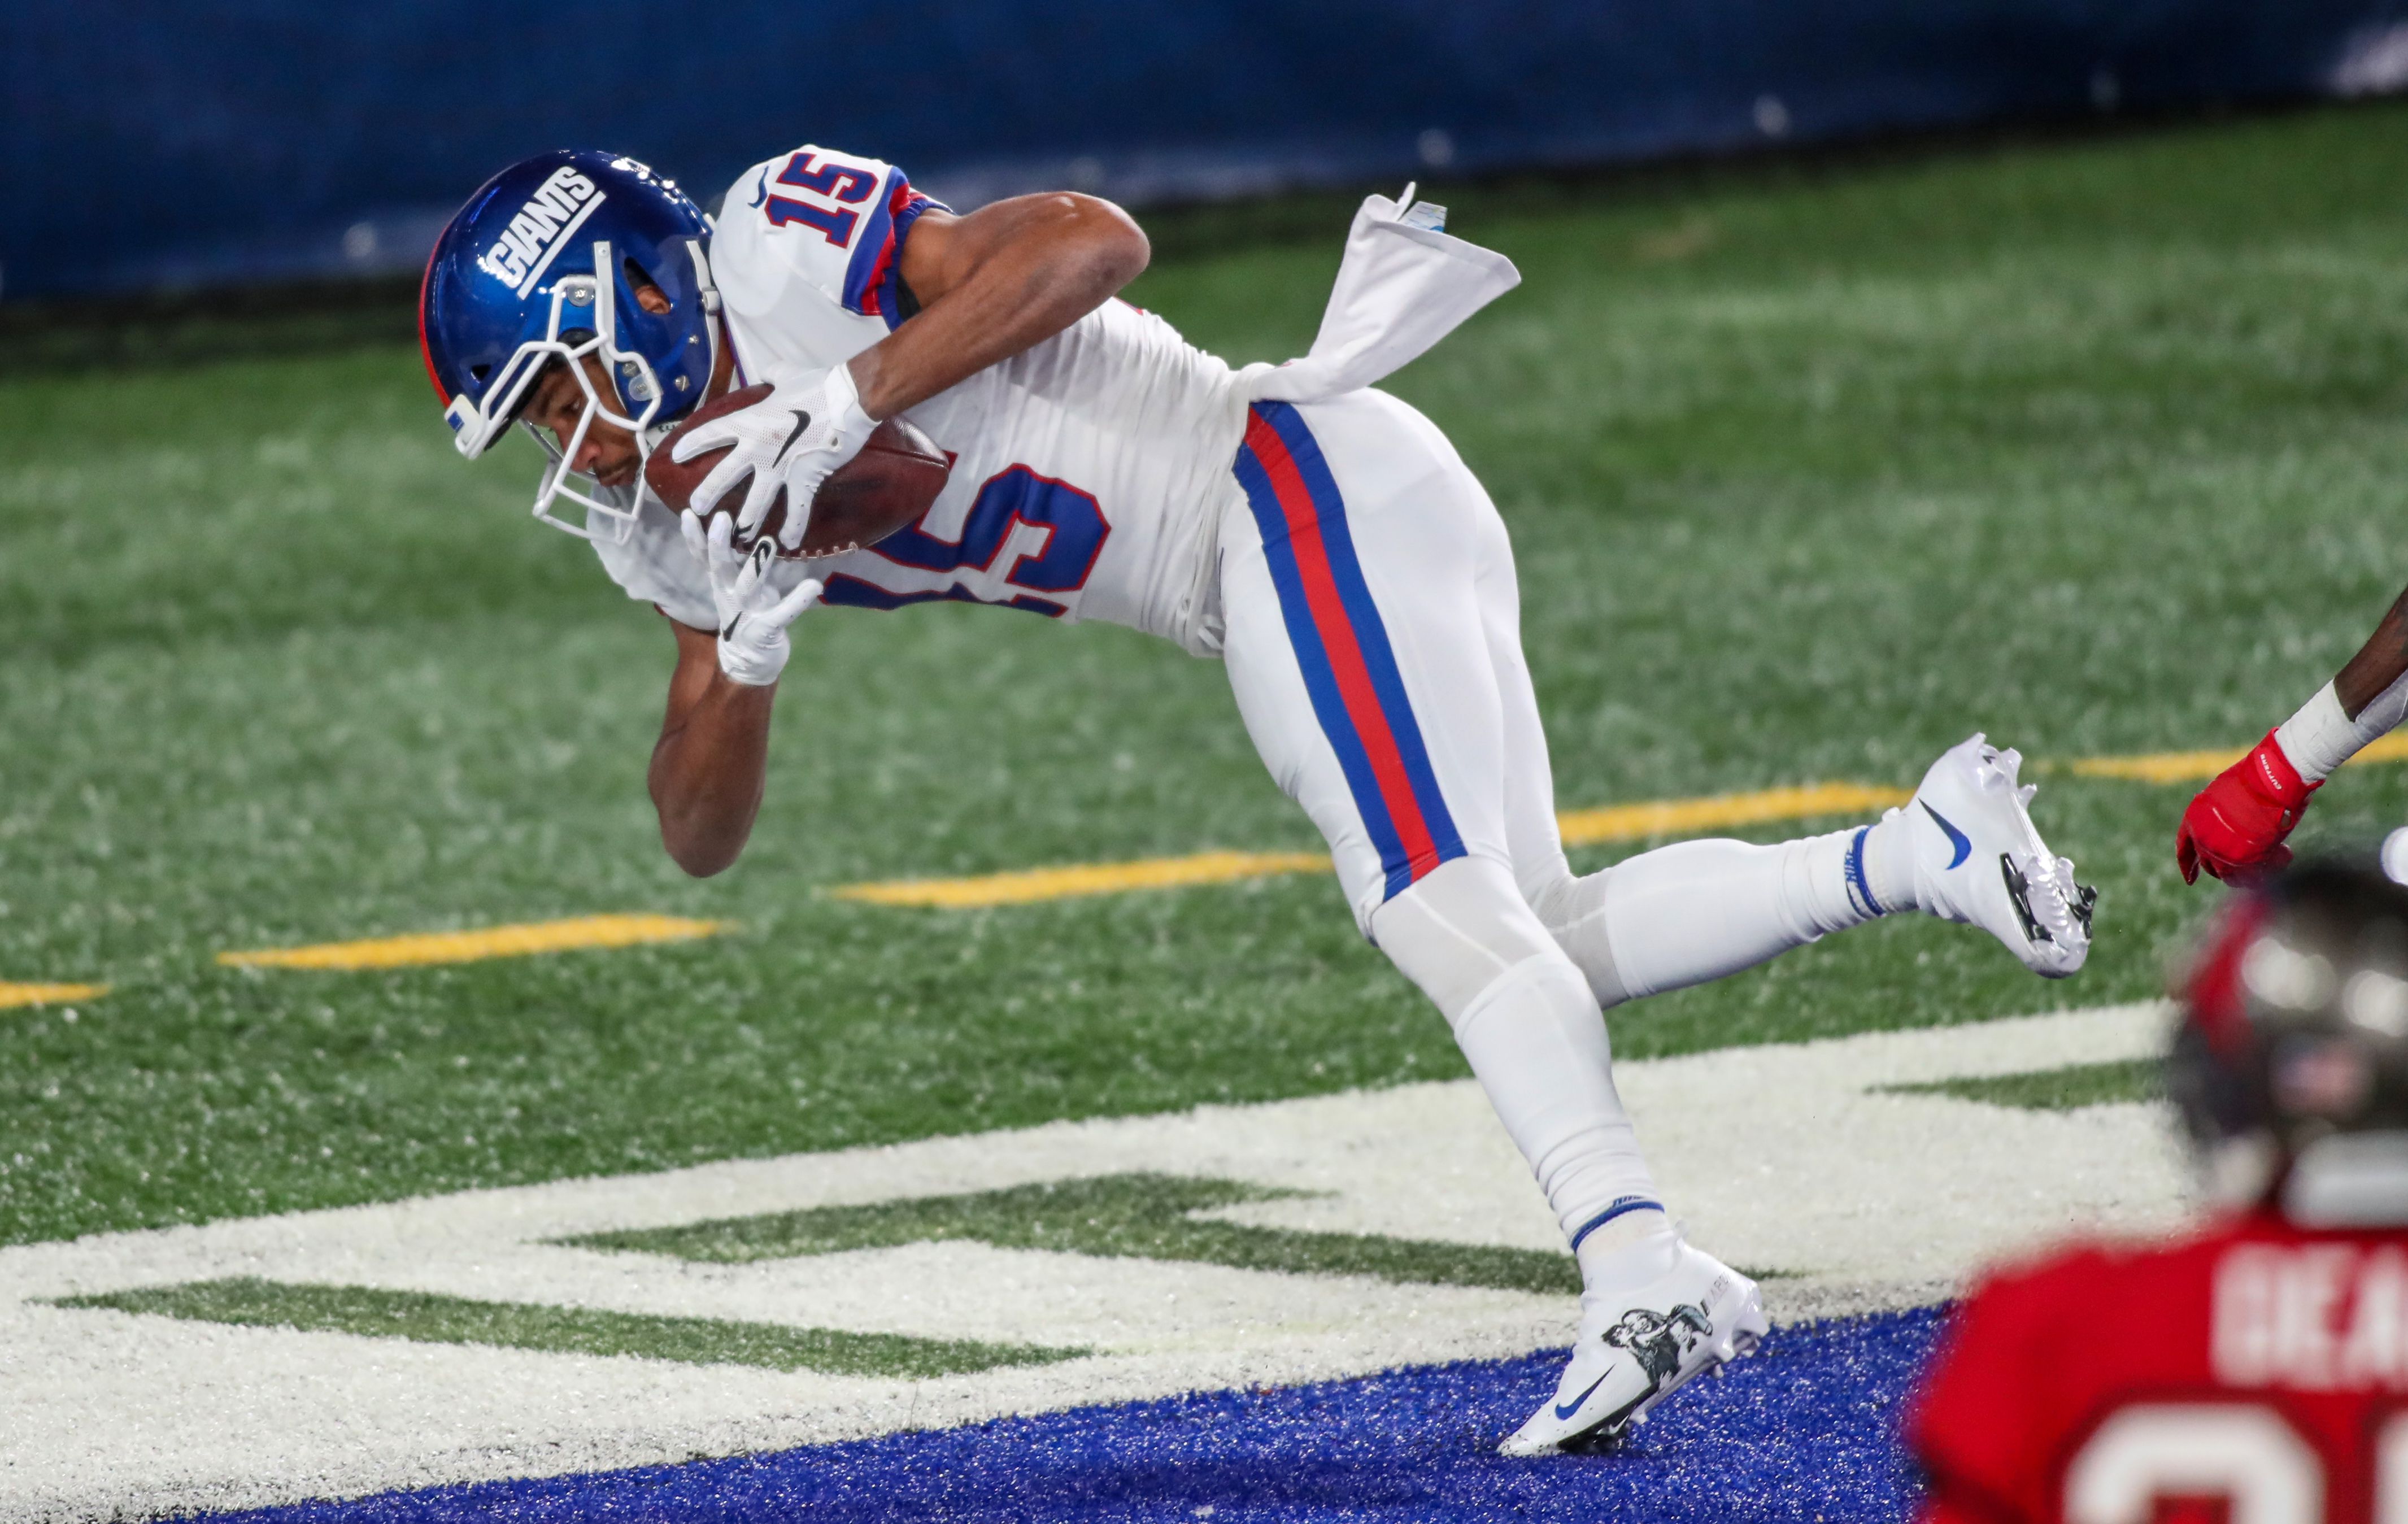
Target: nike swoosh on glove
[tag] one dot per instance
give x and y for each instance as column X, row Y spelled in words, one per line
column 2235, row 827
column 752, row 613
column 796, row 437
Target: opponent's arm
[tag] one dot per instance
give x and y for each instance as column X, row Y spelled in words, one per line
column 711, row 762
column 992, row 283
column 2234, row 828
column 2379, row 665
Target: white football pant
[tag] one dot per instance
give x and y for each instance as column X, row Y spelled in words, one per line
column 1373, row 640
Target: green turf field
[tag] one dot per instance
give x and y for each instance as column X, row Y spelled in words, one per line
column 2099, row 446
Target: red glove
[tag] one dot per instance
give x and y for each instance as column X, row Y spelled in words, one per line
column 2235, row 827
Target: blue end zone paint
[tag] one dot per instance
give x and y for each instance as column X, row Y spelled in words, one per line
column 1805, row 1431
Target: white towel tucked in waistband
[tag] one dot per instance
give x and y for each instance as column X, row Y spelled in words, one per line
column 1403, row 286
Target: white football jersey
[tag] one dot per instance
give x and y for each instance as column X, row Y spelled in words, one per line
column 1089, row 472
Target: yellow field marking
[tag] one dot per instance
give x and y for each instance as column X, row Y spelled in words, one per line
column 1672, row 817
column 471, row 946
column 46, row 994
column 2159, row 767
column 1581, row 827
column 1075, row 878
column 2188, row 767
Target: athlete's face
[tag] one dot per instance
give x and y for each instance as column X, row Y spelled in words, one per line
column 609, row 453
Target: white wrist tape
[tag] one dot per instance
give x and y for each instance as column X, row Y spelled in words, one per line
column 844, row 396
column 2320, row 738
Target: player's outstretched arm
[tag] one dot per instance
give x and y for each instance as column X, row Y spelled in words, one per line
column 2234, row 828
column 710, row 764
column 992, row 283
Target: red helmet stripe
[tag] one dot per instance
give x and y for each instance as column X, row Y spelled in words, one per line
column 426, row 351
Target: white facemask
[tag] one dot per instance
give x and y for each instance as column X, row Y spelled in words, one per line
column 573, row 298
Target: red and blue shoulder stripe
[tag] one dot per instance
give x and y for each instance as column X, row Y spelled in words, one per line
column 873, row 279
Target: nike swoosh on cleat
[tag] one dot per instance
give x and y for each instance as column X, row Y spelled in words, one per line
column 803, row 420
column 1957, row 838
column 1565, row 1410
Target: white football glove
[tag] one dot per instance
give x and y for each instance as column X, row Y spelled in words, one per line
column 752, row 613
column 795, row 438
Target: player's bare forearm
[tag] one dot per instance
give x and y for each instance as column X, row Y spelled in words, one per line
column 2378, row 663
column 992, row 284
column 711, row 762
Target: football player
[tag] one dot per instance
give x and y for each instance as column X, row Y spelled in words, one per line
column 2256, row 1369
column 2234, row 828
column 1320, row 538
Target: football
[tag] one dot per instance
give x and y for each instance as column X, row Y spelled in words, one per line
column 893, row 480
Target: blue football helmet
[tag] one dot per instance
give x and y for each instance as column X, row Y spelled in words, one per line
column 542, row 265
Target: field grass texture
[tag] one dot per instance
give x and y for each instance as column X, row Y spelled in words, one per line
column 1810, row 472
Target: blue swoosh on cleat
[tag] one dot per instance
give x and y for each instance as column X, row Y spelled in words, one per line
column 1964, row 847
column 1565, row 1410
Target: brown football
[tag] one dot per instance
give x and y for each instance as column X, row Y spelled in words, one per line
column 893, row 480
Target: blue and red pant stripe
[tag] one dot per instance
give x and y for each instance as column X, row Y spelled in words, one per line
column 1350, row 670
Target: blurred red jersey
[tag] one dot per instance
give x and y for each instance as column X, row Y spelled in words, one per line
column 2255, row 1373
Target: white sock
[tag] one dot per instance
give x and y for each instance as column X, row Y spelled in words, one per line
column 1888, row 857
column 1525, row 1018
column 1537, row 1043
column 1698, row 911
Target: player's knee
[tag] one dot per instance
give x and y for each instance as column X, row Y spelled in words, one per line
column 1554, row 896
column 1574, row 912
column 1459, row 930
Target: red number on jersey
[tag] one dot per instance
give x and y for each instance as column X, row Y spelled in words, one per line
column 834, row 188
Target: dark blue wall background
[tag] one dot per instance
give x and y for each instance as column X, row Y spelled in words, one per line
column 144, row 145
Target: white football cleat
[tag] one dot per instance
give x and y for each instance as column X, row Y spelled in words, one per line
column 1978, row 860
column 1635, row 1350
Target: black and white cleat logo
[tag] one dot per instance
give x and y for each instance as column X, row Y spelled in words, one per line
column 2082, row 906
column 1660, row 1341
column 2020, row 894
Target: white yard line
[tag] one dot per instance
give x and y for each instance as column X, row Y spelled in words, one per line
column 1773, row 1156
